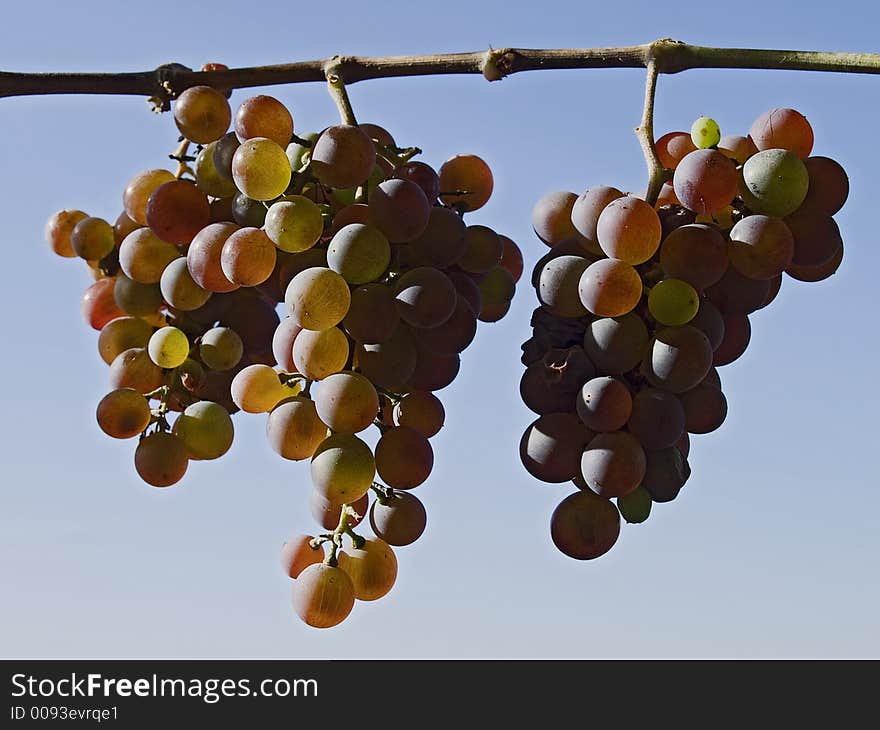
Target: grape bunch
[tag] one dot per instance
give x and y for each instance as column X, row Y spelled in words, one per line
column 382, row 285
column 640, row 304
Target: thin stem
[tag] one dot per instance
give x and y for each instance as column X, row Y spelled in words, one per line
column 168, row 81
column 645, row 134
column 182, row 159
column 336, row 87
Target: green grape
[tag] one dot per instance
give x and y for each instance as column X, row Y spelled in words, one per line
column 139, row 190
column 206, row 430
column 208, row 179
column 134, row 369
column 294, row 223
column 221, row 348
column 317, row 298
column 343, row 468
column 347, row 402
column 359, row 253
column 122, row 333
column 123, row 413
column 705, row 133
column 317, row 354
column 294, row 430
column 179, row 288
column 257, row 389
column 92, row 239
column 774, row 182
column 143, row 256
column 371, row 567
column 136, row 299
column 168, row 347
column 260, row 169
column 673, row 302
column 323, row 596
column 635, row 507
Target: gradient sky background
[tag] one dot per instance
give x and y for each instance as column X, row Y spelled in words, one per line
column 771, row 549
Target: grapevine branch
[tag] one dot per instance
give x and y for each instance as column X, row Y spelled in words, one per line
column 669, row 56
column 645, row 133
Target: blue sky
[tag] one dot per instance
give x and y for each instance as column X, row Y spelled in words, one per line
column 770, row 550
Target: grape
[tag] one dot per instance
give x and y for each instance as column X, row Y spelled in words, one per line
column 203, row 257
column 59, row 228
column 422, row 175
column 666, row 196
column 297, row 554
column 347, row 402
column 817, row 273
column 551, row 447
column 282, row 343
column 264, row 116
column 816, row 237
column 454, row 335
column 292, row 264
column 248, row 212
column 613, row 464
column 829, row 186
column 586, row 211
column 399, row 520
column 354, row 213
column 260, row 169
column 737, row 294
column 737, row 333
column 343, row 156
column 616, row 345
column 319, row 354
column 635, row 507
column 558, row 286
column 120, row 334
column 317, row 298
column 168, row 347
column 497, row 286
column 179, row 288
column 139, row 190
column 774, row 182
column 737, row 148
column 775, row 286
column 584, row 526
column 143, row 256
column 190, row 375
column 483, row 250
column 666, row 472
column 391, row 363
column 133, row 368
column 604, row 404
column 98, row 304
column 161, row 459
column 221, row 348
column 202, row 114
column 783, row 129
column 424, row 297
column 294, row 429
column 323, row 596
column 327, row 513
column 248, row 257
column 400, row 210
column 177, row 211
column 138, row 300
column 404, row 457
column 673, row 302
column 610, row 288
column 511, row 258
column 379, row 134
column 710, row 322
column 422, row 411
column 657, row 419
column 433, row 371
column 359, row 253
column 705, row 181
column 92, row 239
column 761, row 247
column 705, row 408
column 551, row 217
column 465, row 183
column 256, row 389
column 695, row 253
column 443, row 241
column 684, row 444
column 208, row 179
column 343, row 468
column 678, row 359
column 223, row 152
column 629, row 230
column 123, row 413
column 294, row 224
column 551, row 384
column 493, row 311
column 205, row 429
column 467, row 288
column 705, row 133
column 372, row 316
column 672, row 147
column 372, row 568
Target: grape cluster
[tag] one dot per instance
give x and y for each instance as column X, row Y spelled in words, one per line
column 641, row 303
column 382, row 282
